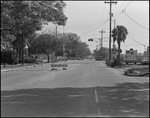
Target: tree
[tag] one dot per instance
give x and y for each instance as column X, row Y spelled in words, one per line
column 73, row 45
column 17, row 14
column 45, row 43
column 119, row 34
column 48, row 43
column 26, row 17
column 83, row 50
column 102, row 53
column 71, row 41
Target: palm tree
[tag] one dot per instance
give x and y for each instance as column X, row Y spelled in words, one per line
column 119, row 34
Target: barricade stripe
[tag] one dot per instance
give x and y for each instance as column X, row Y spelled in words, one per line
column 59, row 65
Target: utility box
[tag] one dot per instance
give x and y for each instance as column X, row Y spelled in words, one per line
column 131, row 56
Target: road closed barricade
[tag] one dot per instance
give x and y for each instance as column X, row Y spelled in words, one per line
column 62, row 59
column 59, row 65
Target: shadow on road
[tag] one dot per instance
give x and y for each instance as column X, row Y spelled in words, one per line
column 127, row 99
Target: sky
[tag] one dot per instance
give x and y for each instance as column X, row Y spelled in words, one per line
column 87, row 18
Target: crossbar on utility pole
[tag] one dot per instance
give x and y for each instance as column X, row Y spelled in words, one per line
column 101, row 40
column 111, row 2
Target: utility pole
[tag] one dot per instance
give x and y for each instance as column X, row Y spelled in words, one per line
column 96, row 47
column 63, row 43
column 114, row 51
column 114, row 28
column 111, row 2
column 101, row 40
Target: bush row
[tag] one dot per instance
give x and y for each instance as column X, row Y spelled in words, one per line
column 10, row 57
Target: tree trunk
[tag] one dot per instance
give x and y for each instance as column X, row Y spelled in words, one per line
column 48, row 58
column 119, row 43
column 20, row 52
column 29, row 52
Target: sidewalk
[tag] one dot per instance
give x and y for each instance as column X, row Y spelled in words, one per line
column 17, row 67
column 134, row 71
column 26, row 65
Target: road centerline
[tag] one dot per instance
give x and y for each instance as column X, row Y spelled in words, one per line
column 97, row 102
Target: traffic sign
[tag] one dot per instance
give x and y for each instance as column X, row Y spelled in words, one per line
column 119, row 51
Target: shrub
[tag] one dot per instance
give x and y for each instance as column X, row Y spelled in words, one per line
column 28, row 60
column 9, row 57
column 107, row 62
column 114, row 63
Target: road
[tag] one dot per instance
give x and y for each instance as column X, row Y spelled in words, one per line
column 86, row 88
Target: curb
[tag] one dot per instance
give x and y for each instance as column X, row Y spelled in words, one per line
column 121, row 69
column 129, row 71
column 5, row 70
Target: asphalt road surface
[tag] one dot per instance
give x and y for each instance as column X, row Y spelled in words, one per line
column 86, row 88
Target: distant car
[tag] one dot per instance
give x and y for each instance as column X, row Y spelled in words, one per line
column 145, row 60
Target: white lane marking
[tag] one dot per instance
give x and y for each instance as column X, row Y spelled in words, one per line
column 93, row 70
column 97, row 101
column 96, row 96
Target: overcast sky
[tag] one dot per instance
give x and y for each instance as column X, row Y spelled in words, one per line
column 87, row 18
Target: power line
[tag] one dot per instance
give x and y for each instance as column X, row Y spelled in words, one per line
column 107, row 14
column 128, row 5
column 74, row 27
column 105, row 24
column 136, row 22
column 120, row 7
column 114, row 9
column 135, row 40
column 96, row 34
column 85, row 26
column 103, row 12
column 120, row 13
column 94, row 28
column 139, row 35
